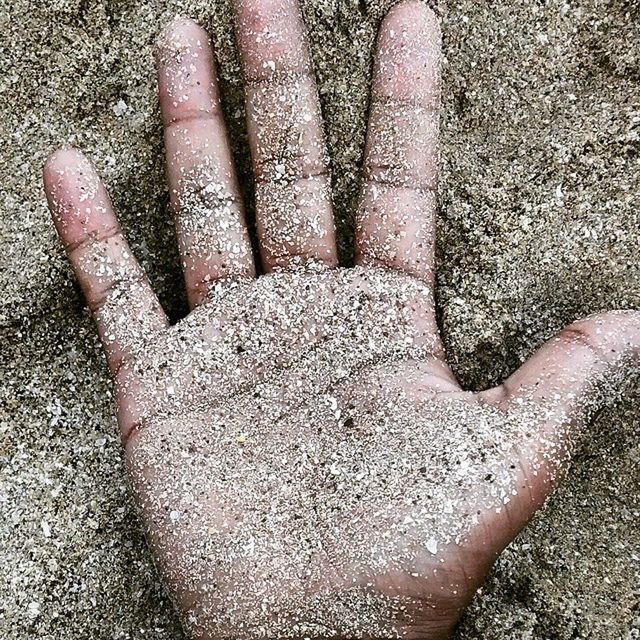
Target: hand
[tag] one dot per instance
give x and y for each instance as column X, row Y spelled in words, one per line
column 305, row 462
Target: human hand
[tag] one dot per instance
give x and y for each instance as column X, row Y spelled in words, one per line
column 305, row 462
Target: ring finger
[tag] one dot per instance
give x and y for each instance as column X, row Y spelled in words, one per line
column 212, row 234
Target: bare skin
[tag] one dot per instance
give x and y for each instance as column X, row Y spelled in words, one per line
column 305, row 462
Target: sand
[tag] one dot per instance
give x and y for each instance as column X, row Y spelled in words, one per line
column 538, row 225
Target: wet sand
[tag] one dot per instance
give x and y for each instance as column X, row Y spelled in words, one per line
column 538, row 225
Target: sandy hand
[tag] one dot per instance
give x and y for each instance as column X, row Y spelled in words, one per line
column 305, row 462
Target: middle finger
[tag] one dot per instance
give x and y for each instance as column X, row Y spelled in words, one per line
column 293, row 204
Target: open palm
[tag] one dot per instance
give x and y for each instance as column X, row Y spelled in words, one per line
column 305, row 462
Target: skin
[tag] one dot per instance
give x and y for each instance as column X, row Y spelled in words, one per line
column 159, row 391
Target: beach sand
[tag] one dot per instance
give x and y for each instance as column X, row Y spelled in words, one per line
column 538, row 224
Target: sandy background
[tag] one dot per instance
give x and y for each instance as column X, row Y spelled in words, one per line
column 538, row 224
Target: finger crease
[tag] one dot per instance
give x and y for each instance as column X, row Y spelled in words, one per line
column 119, row 285
column 280, row 78
column 398, row 182
column 99, row 235
column 296, row 176
column 193, row 116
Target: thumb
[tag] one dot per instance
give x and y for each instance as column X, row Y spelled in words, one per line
column 573, row 371
column 563, row 384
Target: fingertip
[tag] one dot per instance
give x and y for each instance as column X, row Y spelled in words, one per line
column 408, row 55
column 410, row 35
column 77, row 199
column 66, row 174
column 412, row 14
column 272, row 38
column 615, row 331
column 180, row 32
column 60, row 160
column 186, row 71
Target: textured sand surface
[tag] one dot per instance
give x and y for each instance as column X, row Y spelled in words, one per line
column 539, row 223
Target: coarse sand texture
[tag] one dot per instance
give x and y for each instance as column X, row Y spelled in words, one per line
column 537, row 225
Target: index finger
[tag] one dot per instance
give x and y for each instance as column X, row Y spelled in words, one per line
column 395, row 224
